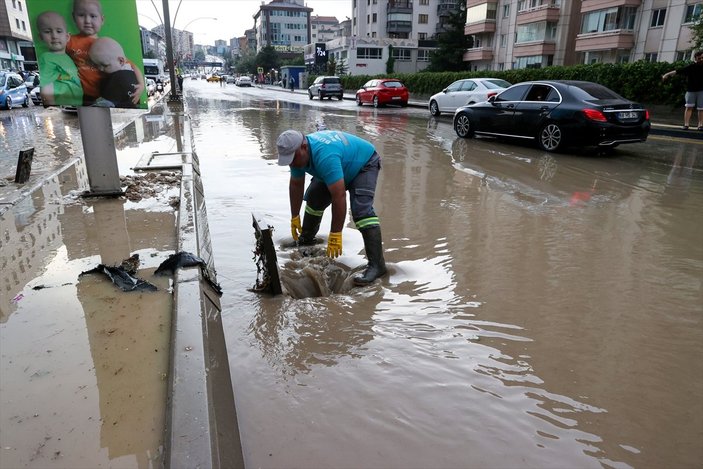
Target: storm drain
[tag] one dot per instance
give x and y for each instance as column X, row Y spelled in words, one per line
column 309, row 272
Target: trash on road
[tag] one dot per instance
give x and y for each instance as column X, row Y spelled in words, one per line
column 120, row 277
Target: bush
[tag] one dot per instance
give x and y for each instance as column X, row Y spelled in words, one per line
column 639, row 81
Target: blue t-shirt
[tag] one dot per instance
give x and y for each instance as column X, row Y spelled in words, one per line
column 335, row 155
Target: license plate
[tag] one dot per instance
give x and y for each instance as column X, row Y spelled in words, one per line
column 627, row 115
column 396, row 97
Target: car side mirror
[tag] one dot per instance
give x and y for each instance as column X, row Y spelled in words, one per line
column 445, row 90
column 492, row 99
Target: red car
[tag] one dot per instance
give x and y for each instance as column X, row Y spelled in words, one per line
column 382, row 92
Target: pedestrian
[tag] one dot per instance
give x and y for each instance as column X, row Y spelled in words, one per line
column 179, row 78
column 291, row 83
column 338, row 162
column 694, row 88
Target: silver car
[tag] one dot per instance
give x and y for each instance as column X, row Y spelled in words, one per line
column 463, row 92
column 326, row 87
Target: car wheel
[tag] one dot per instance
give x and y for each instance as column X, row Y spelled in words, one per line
column 550, row 137
column 8, row 103
column 434, row 108
column 462, row 126
column 404, row 104
column 26, row 101
column 319, row 96
column 340, row 97
column 375, row 102
column 358, row 100
column 310, row 94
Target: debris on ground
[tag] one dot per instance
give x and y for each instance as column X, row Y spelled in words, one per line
column 187, row 259
column 151, row 184
column 120, row 277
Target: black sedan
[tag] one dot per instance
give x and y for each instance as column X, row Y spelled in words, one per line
column 556, row 114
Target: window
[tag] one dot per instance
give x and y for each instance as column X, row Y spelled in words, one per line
column 503, row 40
column 24, row 26
column 421, row 36
column 423, row 55
column 514, row 93
column 368, row 53
column 424, row 2
column 18, row 23
column 19, row 4
column 658, row 17
column 541, row 31
column 609, row 19
column 374, row 17
column 693, row 12
column 650, row 57
column 422, row 19
column 682, row 55
column 506, row 10
column 402, row 55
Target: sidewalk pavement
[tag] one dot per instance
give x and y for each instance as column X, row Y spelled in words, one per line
column 200, row 418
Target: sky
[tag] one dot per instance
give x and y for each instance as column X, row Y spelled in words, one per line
column 233, row 16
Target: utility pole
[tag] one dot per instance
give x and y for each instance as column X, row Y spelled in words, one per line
column 174, row 96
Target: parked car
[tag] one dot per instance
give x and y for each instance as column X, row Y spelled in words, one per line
column 31, row 81
column 35, row 95
column 381, row 92
column 326, row 87
column 557, row 114
column 215, row 78
column 13, row 91
column 231, row 79
column 150, row 86
column 243, row 81
column 463, row 92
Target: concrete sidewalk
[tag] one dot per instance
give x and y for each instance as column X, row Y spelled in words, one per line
column 197, row 411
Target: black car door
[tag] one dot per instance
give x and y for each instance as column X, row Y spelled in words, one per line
column 534, row 110
column 498, row 117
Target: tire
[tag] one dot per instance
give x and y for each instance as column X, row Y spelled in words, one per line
column 404, row 104
column 375, row 102
column 8, row 103
column 550, row 137
column 340, row 97
column 434, row 108
column 26, row 101
column 462, row 126
column 319, row 95
column 358, row 100
column 310, row 95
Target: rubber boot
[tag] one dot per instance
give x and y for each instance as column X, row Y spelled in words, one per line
column 376, row 266
column 311, row 225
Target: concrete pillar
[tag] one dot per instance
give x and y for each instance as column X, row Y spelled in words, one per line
column 99, row 149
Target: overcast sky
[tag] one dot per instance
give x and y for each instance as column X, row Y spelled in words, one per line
column 233, row 16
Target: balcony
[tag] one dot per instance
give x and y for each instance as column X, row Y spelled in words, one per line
column 473, row 3
column 485, row 26
column 593, row 5
column 617, row 39
column 549, row 13
column 528, row 49
column 478, row 53
column 445, row 7
column 399, row 26
column 399, row 7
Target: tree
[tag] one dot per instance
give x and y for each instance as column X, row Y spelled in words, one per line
column 390, row 63
column 697, row 34
column 342, row 67
column 331, row 66
column 268, row 59
column 451, row 44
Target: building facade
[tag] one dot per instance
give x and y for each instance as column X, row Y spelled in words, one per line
column 16, row 47
column 537, row 33
column 283, row 25
column 323, row 28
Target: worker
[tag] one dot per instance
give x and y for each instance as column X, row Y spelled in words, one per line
column 338, row 162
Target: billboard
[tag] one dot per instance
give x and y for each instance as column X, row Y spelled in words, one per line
column 89, row 52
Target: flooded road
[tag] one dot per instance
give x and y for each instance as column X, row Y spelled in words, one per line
column 83, row 365
column 540, row 310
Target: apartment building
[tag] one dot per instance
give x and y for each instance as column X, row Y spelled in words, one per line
column 323, row 28
column 538, row 33
column 283, row 25
column 16, row 47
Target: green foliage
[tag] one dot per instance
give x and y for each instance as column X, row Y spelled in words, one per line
column 297, row 60
column 639, row 81
column 268, row 59
column 246, row 64
column 697, row 34
column 451, row 44
column 342, row 67
column 331, row 66
column 390, row 63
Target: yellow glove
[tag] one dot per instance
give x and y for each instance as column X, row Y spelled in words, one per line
column 334, row 244
column 295, row 227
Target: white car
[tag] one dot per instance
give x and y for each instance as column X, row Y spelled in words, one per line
column 35, row 95
column 243, row 81
column 463, row 92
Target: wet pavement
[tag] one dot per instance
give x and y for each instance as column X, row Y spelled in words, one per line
column 540, row 311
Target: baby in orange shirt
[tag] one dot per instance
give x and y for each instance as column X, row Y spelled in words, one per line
column 89, row 19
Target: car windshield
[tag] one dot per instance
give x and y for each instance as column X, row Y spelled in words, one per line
column 392, row 84
column 593, row 92
column 495, row 84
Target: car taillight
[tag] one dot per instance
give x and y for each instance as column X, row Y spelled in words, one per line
column 594, row 115
column 491, row 93
column 646, row 114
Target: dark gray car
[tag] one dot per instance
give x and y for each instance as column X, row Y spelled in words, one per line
column 326, row 87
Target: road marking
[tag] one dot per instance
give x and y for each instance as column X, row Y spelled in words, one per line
column 676, row 139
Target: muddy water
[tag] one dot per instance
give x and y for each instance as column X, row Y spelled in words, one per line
column 541, row 310
column 82, row 364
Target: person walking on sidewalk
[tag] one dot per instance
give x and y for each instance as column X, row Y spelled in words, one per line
column 291, row 84
column 338, row 162
column 694, row 88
